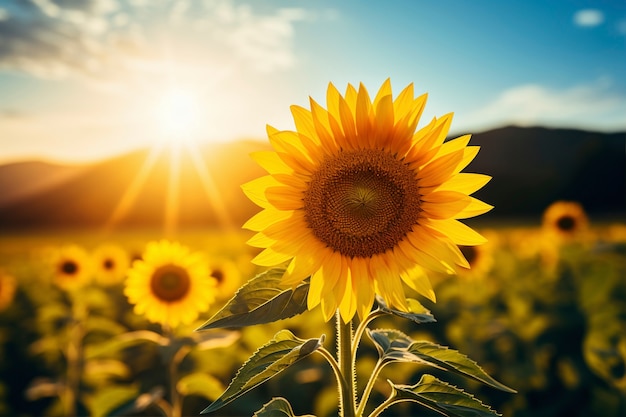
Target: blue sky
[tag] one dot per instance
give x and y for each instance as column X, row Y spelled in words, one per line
column 87, row 79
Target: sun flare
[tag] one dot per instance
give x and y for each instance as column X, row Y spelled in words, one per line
column 178, row 115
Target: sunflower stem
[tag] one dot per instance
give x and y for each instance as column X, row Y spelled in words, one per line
column 346, row 367
column 368, row 388
column 74, row 357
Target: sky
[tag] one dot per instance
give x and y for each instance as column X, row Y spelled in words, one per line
column 83, row 80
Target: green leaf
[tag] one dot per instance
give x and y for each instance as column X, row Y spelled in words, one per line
column 277, row 407
column 454, row 361
column 124, row 341
column 269, row 360
column 103, row 324
column 106, row 401
column 263, row 299
column 441, row 397
column 392, row 346
column 417, row 312
column 200, row 383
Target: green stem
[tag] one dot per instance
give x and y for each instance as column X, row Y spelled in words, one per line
column 388, row 403
column 175, row 397
column 358, row 334
column 346, row 367
column 74, row 357
column 341, row 382
column 368, row 388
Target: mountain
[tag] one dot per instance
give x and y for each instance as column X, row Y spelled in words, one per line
column 128, row 191
column 531, row 168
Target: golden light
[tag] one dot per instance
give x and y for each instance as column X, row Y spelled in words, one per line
column 178, row 115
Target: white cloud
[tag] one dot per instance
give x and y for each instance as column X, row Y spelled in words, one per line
column 591, row 105
column 96, row 38
column 588, row 17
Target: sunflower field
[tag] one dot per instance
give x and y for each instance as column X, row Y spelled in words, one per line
column 542, row 310
column 510, row 319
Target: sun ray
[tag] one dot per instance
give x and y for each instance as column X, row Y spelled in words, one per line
column 131, row 193
column 210, row 188
column 172, row 198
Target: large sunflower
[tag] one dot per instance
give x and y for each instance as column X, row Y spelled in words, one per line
column 170, row 284
column 361, row 201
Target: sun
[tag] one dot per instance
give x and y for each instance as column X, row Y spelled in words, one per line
column 177, row 115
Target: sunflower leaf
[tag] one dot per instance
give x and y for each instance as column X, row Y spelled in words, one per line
column 277, row 407
column 282, row 351
column 417, row 312
column 392, row 346
column 200, row 383
column 441, row 397
column 123, row 341
column 263, row 299
column 454, row 361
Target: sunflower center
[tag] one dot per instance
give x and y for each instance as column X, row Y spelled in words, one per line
column 566, row 223
column 170, row 283
column 69, row 267
column 108, row 264
column 362, row 203
column 218, row 274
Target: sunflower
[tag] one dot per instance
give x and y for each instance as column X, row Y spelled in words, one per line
column 360, row 200
column 565, row 220
column 8, row 285
column 170, row 284
column 111, row 263
column 71, row 267
column 479, row 257
column 227, row 276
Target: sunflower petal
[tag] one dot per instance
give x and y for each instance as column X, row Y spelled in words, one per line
column 460, row 233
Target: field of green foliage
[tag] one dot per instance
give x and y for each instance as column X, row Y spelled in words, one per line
column 542, row 311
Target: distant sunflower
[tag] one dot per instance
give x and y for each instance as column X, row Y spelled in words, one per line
column 565, row 219
column 8, row 285
column 170, row 284
column 479, row 257
column 227, row 275
column 360, row 201
column 111, row 264
column 71, row 267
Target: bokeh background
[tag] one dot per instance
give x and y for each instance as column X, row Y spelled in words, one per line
column 129, row 121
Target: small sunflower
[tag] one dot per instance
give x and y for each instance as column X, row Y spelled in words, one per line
column 170, row 284
column 111, row 264
column 360, row 201
column 479, row 257
column 71, row 267
column 227, row 276
column 565, row 219
column 8, row 285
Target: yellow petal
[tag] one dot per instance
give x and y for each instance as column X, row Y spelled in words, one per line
column 466, row 183
column 363, row 123
column 285, row 198
column 458, row 232
column 444, row 204
column 269, row 257
column 265, row 218
column 261, row 240
column 440, row 170
column 271, row 162
column 417, row 279
column 474, row 208
column 255, row 190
